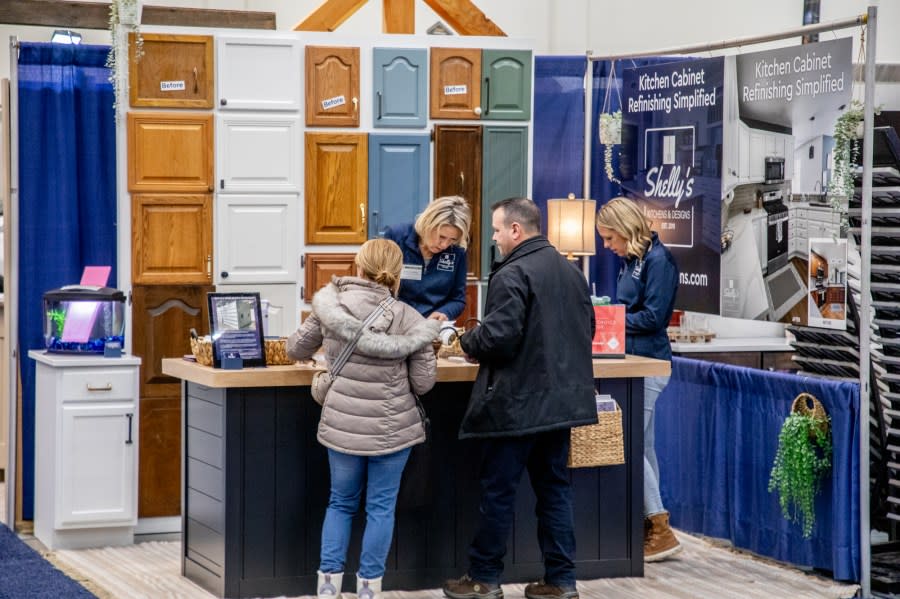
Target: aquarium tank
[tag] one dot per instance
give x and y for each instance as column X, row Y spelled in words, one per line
column 83, row 319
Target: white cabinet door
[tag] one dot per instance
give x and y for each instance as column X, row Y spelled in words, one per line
column 256, row 238
column 757, row 155
column 96, row 464
column 259, row 153
column 258, row 74
column 283, row 301
column 743, row 154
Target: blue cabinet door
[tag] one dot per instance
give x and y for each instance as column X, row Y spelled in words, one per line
column 504, row 175
column 400, row 82
column 398, row 179
column 506, row 85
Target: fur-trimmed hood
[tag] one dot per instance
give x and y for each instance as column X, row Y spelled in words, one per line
column 346, row 302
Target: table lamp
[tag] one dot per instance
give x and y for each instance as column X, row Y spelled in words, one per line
column 570, row 226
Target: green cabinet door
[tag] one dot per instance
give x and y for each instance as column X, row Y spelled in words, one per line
column 506, row 85
column 505, row 175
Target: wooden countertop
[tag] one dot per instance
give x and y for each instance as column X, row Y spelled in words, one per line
column 449, row 371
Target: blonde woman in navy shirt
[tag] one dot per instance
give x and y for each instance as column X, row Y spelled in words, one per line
column 646, row 285
column 433, row 279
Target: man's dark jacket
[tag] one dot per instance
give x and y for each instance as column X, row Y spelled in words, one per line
column 533, row 346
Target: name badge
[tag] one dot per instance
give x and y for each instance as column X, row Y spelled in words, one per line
column 411, row 272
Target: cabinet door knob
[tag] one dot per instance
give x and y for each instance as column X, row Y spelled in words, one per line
column 224, row 274
column 223, row 102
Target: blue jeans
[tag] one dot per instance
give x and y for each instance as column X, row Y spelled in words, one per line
column 504, row 459
column 348, row 473
column 653, row 386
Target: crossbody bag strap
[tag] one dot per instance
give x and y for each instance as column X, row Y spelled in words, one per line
column 351, row 346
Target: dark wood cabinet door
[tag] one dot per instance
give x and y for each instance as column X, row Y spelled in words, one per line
column 457, row 171
column 162, row 317
column 332, row 86
column 321, row 267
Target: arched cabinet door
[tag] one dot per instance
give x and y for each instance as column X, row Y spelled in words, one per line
column 506, row 85
column 332, row 86
column 455, row 83
column 400, row 86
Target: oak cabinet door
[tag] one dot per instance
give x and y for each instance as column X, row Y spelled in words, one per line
column 400, row 83
column 259, row 153
column 173, row 71
column 256, row 238
column 332, row 86
column 506, row 85
column 336, row 188
column 258, row 74
column 171, row 239
column 457, row 171
column 505, row 175
column 162, row 318
column 321, row 267
column 398, row 179
column 170, row 152
column 455, row 83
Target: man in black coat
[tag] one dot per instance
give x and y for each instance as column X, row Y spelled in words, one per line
column 535, row 383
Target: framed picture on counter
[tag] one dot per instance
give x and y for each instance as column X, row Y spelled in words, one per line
column 236, row 328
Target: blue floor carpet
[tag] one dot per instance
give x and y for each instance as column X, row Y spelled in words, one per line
column 24, row 574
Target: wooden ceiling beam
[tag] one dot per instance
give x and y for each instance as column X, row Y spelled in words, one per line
column 464, row 17
column 399, row 16
column 95, row 15
column 329, row 15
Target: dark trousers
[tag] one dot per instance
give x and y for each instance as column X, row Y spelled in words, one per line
column 503, row 461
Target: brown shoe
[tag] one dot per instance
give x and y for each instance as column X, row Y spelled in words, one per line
column 659, row 540
column 542, row 590
column 466, row 588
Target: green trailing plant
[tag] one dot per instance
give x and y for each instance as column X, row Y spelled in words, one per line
column 846, row 152
column 801, row 462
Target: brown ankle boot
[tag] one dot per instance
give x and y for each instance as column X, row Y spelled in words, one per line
column 659, row 540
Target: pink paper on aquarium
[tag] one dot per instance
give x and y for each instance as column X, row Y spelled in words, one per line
column 80, row 316
column 96, row 275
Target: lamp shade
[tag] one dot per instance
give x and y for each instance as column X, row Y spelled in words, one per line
column 570, row 226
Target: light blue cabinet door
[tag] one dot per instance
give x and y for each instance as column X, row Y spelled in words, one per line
column 504, row 175
column 400, row 82
column 505, row 85
column 398, row 179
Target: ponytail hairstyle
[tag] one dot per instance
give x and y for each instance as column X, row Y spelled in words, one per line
column 625, row 218
column 380, row 261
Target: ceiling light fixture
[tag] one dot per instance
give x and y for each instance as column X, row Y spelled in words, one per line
column 65, row 36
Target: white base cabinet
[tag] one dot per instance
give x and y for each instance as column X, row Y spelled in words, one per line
column 86, row 440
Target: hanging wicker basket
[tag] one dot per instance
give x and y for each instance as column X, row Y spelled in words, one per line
column 807, row 404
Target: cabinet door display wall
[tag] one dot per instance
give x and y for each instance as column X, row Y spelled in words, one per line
column 173, row 71
column 506, row 85
column 400, row 85
column 256, row 238
column 170, row 152
column 336, row 188
column 455, row 88
column 457, row 171
column 332, row 86
column 398, row 179
column 258, row 153
column 258, row 74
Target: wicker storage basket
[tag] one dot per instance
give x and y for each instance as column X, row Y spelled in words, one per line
column 201, row 347
column 276, row 352
column 598, row 444
column 809, row 405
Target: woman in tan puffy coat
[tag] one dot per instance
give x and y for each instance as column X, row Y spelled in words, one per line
column 370, row 419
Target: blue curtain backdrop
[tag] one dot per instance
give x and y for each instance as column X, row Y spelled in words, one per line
column 559, row 140
column 716, row 451
column 67, row 194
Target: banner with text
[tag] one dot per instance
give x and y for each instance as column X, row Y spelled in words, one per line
column 671, row 165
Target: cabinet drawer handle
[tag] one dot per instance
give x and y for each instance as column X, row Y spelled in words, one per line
column 487, row 103
column 362, row 213
column 106, row 387
column 196, row 82
column 130, row 417
column 379, row 105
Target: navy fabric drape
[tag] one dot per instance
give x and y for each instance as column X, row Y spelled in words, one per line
column 716, row 436
column 67, row 193
column 559, row 141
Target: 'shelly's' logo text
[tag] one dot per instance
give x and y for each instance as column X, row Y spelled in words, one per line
column 667, row 182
